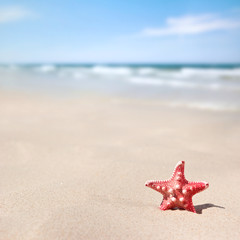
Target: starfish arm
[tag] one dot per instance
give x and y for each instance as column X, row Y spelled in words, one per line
column 196, row 187
column 189, row 206
column 178, row 172
column 166, row 204
column 160, row 186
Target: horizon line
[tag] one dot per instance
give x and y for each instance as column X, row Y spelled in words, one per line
column 118, row 63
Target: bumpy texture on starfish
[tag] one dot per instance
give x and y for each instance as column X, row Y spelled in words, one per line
column 177, row 191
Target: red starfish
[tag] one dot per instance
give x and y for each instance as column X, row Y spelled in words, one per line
column 177, row 191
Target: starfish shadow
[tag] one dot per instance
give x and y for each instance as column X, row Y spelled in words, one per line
column 201, row 207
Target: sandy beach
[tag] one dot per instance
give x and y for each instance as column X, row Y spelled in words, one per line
column 75, row 168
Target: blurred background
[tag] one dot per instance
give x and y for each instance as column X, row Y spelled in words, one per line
column 184, row 53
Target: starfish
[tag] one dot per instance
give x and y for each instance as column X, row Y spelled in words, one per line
column 177, row 191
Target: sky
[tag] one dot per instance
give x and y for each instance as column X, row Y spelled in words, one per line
column 126, row 31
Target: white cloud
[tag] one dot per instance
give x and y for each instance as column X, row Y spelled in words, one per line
column 192, row 25
column 10, row 14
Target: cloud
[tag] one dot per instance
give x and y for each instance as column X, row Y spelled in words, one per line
column 190, row 24
column 10, row 14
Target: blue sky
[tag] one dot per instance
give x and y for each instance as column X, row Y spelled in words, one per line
column 120, row 31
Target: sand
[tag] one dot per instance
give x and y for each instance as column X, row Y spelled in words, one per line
column 75, row 168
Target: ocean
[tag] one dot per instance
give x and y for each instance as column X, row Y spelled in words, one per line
column 198, row 86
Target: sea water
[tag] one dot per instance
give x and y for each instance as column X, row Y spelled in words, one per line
column 199, row 86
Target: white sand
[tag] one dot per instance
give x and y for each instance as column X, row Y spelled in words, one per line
column 76, row 168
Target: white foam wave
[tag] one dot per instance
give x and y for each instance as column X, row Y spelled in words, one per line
column 161, row 82
column 208, row 73
column 147, row 71
column 212, row 79
column 164, row 82
column 46, row 68
column 111, row 70
column 70, row 72
column 205, row 106
column 214, row 86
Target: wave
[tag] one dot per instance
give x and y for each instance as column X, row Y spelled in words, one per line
column 147, row 71
column 161, row 82
column 209, row 73
column 213, row 79
column 170, row 73
column 46, row 68
column 209, row 106
column 182, row 84
column 104, row 70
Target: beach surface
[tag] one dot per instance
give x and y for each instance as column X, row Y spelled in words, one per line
column 75, row 168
